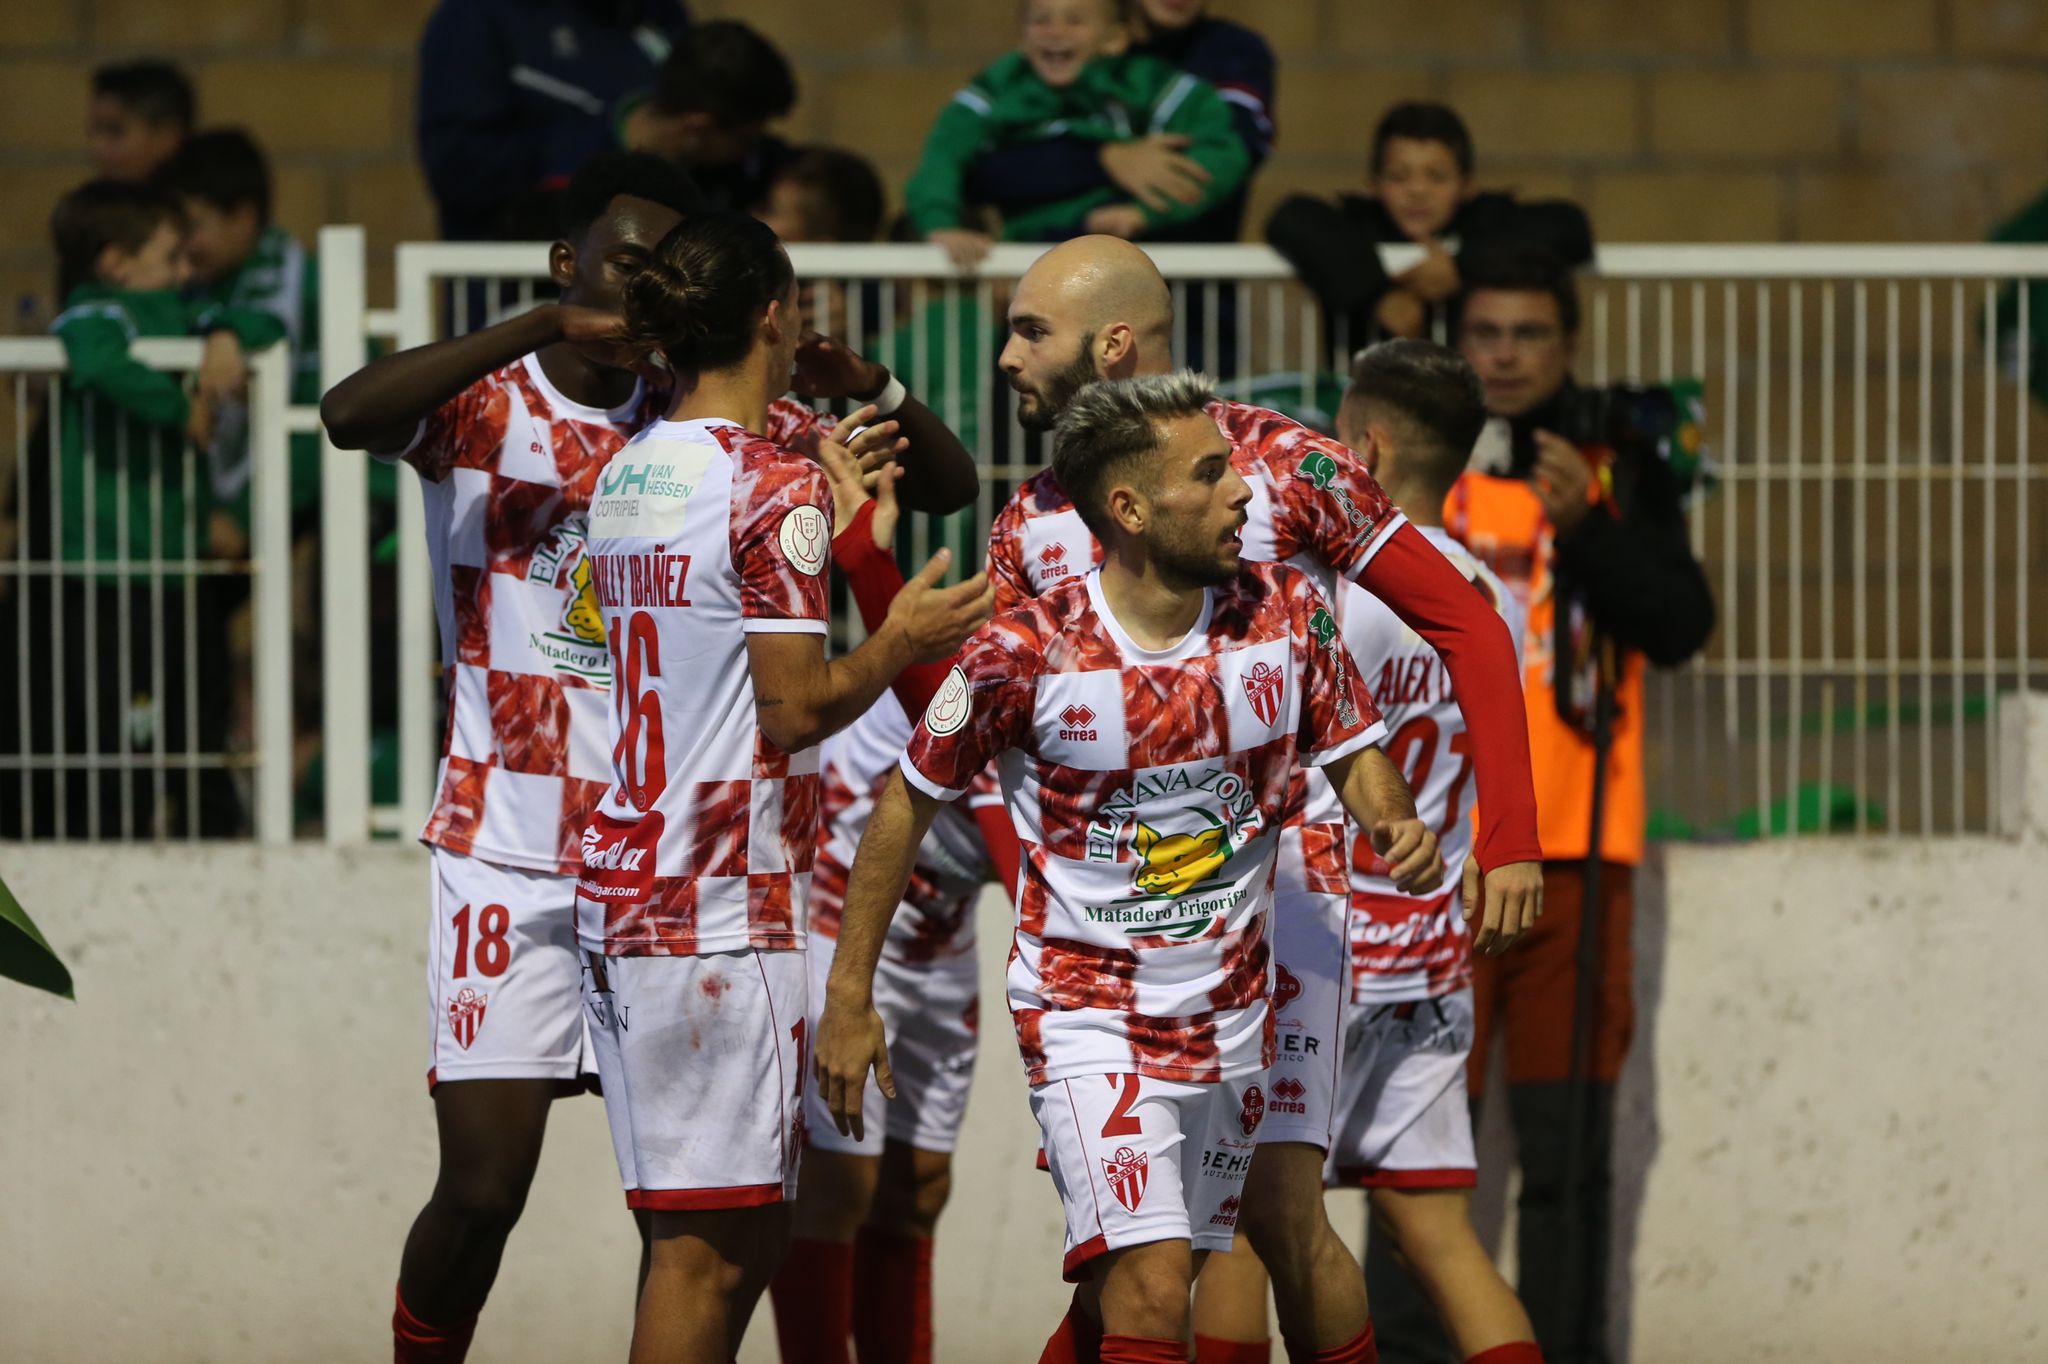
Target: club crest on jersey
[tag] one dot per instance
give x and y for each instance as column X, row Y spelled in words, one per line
column 806, row 538
column 1263, row 686
column 950, row 704
column 1254, row 1109
column 466, row 1015
column 1127, row 1173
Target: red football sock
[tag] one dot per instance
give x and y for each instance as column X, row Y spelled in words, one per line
column 1210, row 1350
column 1360, row 1349
column 1514, row 1352
column 892, row 1298
column 1076, row 1340
column 813, row 1298
column 1143, row 1350
column 415, row 1342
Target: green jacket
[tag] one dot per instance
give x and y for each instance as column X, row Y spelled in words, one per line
column 281, row 279
column 1115, row 99
column 121, row 417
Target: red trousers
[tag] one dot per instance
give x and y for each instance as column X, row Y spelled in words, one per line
column 1530, row 992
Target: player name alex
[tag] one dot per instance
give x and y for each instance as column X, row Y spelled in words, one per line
column 632, row 580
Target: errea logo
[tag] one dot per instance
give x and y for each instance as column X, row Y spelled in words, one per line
column 1077, row 720
column 1053, row 556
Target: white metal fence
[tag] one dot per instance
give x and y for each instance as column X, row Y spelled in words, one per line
column 1870, row 539
column 130, row 711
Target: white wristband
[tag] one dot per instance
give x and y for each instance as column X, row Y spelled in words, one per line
column 890, row 398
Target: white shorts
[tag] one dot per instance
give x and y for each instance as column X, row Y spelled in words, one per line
column 930, row 1012
column 1137, row 1160
column 1311, row 981
column 504, row 978
column 1405, row 1122
column 702, row 1060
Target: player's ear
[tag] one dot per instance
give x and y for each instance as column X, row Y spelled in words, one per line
column 1127, row 508
column 773, row 320
column 562, row 264
column 1116, row 350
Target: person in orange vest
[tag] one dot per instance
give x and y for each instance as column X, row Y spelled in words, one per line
column 1585, row 527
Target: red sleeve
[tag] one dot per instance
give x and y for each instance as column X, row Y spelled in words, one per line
column 1005, row 853
column 1436, row 601
column 982, row 710
column 1005, row 570
column 794, row 426
column 874, row 580
column 780, row 543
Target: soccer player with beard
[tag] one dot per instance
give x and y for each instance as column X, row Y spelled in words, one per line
column 1148, row 722
column 507, row 428
column 1096, row 307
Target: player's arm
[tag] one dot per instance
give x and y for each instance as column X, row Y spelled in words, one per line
column 379, row 408
column 850, row 1037
column 1204, row 118
column 1377, row 797
column 939, row 473
column 802, row 697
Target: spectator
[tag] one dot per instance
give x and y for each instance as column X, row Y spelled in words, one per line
column 823, row 194
column 122, row 474
column 710, row 110
column 141, row 112
column 1603, row 568
column 1072, row 77
column 514, row 97
column 1422, row 192
column 242, row 260
column 1155, row 169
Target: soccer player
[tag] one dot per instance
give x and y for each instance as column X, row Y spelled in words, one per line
column 708, row 547
column 507, row 428
column 1403, row 1132
column 1148, row 721
column 1097, row 307
column 860, row 1258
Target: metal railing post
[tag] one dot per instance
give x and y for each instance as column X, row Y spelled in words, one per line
column 344, row 551
column 270, row 511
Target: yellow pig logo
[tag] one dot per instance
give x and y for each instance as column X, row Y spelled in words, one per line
column 581, row 617
column 1171, row 864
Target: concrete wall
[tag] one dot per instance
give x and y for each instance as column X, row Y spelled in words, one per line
column 1714, row 120
column 1833, row 1124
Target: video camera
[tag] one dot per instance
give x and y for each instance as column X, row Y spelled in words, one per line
column 1665, row 422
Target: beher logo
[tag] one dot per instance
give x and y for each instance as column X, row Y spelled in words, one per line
column 1226, row 1212
column 1254, row 1109
column 1174, row 862
column 1127, row 1172
column 1077, row 719
column 1263, row 685
column 466, row 1015
column 1286, row 986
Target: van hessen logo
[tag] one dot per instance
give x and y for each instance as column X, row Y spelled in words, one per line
column 1077, row 719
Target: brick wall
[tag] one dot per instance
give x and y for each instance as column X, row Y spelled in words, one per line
column 1720, row 120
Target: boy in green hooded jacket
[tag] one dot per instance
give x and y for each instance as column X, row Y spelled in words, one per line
column 1071, row 78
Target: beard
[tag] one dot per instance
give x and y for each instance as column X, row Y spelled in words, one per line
column 1190, row 553
column 1059, row 390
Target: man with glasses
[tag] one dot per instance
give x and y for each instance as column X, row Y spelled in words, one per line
column 1595, row 548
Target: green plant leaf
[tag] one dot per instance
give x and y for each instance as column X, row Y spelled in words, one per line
column 24, row 956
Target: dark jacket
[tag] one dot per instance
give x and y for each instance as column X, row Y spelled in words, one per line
column 1229, row 56
column 1333, row 247
column 515, row 95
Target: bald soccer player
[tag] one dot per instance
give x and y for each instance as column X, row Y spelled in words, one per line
column 1097, row 308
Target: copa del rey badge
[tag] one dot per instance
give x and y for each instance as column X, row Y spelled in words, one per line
column 1127, row 1172
column 947, row 712
column 466, row 1015
column 1263, row 685
column 805, row 537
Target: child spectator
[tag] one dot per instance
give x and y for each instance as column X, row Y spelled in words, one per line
column 128, row 495
column 1422, row 192
column 1072, row 76
column 243, row 261
column 141, row 112
column 824, row 194
column 710, row 109
column 1154, row 169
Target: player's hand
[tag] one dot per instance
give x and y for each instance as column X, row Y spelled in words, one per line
column 1154, row 171
column 599, row 334
column 1561, row 478
column 937, row 620
column 1116, row 220
column 1402, row 313
column 199, row 421
column 963, row 246
column 223, row 369
column 845, row 455
column 850, row 1042
column 873, row 447
column 1435, row 277
column 829, row 368
column 1409, row 849
column 1503, row 905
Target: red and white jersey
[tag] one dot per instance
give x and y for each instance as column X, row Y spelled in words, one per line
column 1147, row 789
column 506, row 469
column 701, row 533
column 1409, row 947
column 936, row 917
column 1314, row 506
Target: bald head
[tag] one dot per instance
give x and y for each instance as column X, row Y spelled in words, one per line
column 1091, row 308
